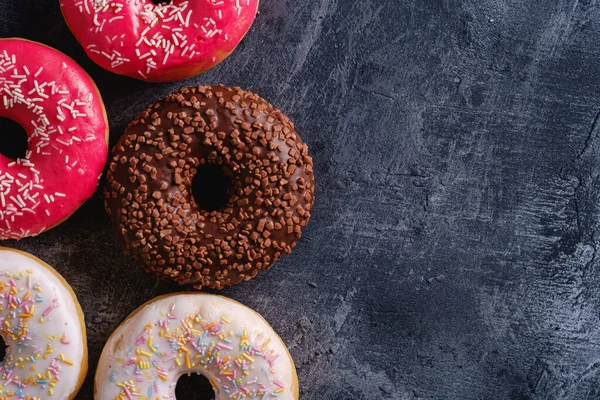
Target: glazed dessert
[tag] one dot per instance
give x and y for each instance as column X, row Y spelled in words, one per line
column 173, row 335
column 43, row 328
column 150, row 188
column 62, row 112
column 159, row 42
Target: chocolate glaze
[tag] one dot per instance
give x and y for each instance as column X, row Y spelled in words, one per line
column 149, row 189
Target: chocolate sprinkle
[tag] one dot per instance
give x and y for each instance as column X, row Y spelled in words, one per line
column 149, row 189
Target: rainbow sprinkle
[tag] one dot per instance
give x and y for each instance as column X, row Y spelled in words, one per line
column 31, row 360
column 194, row 344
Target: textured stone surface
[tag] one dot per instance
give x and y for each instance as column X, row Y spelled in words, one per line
column 452, row 252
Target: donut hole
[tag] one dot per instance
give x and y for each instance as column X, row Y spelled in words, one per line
column 3, row 348
column 194, row 387
column 159, row 2
column 14, row 142
column 211, row 187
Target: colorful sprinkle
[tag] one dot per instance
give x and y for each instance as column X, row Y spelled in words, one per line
column 196, row 344
column 40, row 368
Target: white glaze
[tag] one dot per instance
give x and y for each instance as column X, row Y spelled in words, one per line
column 53, row 335
column 140, row 362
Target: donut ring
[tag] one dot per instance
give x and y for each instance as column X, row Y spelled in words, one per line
column 62, row 112
column 149, row 188
column 43, row 327
column 177, row 334
column 159, row 43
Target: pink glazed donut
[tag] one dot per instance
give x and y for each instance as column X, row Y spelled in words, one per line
column 159, row 42
column 62, row 112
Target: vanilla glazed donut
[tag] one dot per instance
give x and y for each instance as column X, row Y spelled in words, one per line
column 186, row 333
column 62, row 112
column 150, row 176
column 42, row 325
column 159, row 42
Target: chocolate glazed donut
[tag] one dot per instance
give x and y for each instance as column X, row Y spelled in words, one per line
column 149, row 190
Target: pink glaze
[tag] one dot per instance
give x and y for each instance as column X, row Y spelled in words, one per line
column 159, row 43
column 60, row 108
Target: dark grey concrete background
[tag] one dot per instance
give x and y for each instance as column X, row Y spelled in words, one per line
column 454, row 240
